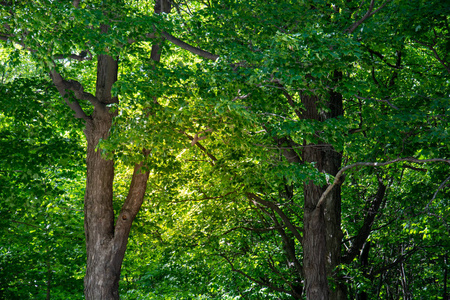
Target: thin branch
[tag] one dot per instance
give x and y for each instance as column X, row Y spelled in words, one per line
column 240, row 97
column 379, row 100
column 290, row 101
column 251, row 229
column 84, row 55
column 436, row 55
column 381, row 56
column 27, row 224
column 271, row 286
column 5, row 37
column 280, row 213
column 368, row 14
column 213, row 158
column 442, row 62
column 289, row 246
column 398, row 260
column 293, row 147
column 357, row 11
column 337, row 178
column 366, row 228
column 437, row 191
column 271, row 264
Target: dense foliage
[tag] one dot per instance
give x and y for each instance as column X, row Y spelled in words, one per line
column 226, row 134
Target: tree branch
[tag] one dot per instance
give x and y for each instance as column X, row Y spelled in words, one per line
column 271, row 264
column 368, row 14
column 80, row 57
column 398, row 260
column 289, row 246
column 437, row 191
column 72, row 85
column 253, row 229
column 262, row 283
column 366, row 228
column 435, row 54
column 188, row 47
column 379, row 100
column 337, row 178
column 206, row 198
column 381, row 56
column 131, row 206
column 277, row 209
column 212, row 157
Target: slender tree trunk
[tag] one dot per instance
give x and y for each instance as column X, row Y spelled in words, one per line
column 322, row 232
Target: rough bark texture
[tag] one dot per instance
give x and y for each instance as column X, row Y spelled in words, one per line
column 102, row 275
column 105, row 241
column 103, row 266
column 322, row 231
column 314, row 246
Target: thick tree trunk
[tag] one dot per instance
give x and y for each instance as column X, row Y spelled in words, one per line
column 105, row 241
column 314, row 246
column 102, row 276
column 322, row 225
column 322, row 232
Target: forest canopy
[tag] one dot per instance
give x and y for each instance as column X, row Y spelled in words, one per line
column 224, row 149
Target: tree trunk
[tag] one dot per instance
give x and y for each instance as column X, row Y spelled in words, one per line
column 322, row 225
column 322, row 232
column 314, row 246
column 102, row 275
column 105, row 241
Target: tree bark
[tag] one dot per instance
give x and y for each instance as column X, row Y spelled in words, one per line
column 102, row 276
column 322, row 224
column 105, row 241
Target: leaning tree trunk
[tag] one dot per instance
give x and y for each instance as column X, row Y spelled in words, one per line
column 322, row 232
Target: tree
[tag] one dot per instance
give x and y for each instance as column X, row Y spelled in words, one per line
column 285, row 92
column 106, row 238
column 273, row 75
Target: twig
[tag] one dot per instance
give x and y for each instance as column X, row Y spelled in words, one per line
column 253, row 197
column 84, row 55
column 436, row 55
